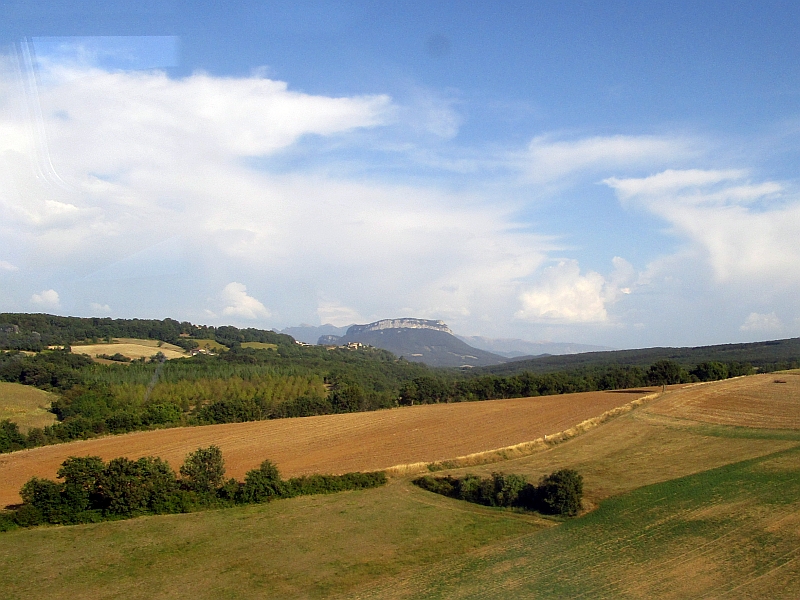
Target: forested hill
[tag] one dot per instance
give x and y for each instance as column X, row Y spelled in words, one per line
column 23, row 331
column 767, row 355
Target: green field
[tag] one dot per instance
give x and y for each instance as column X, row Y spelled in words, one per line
column 25, row 405
column 680, row 510
column 260, row 345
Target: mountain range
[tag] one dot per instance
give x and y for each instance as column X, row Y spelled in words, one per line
column 502, row 347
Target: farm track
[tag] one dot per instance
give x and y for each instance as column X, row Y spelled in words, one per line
column 335, row 443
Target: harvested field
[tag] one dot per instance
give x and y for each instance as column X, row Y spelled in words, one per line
column 25, row 405
column 213, row 345
column 638, row 449
column 132, row 348
column 769, row 401
column 727, row 532
column 335, row 443
column 260, row 345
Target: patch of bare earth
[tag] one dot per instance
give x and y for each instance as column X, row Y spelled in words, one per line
column 334, row 443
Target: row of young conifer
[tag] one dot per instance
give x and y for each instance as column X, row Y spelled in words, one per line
column 92, row 490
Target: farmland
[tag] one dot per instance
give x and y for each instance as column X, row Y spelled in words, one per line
column 131, row 348
column 681, row 506
column 334, row 443
column 25, row 405
column 770, row 401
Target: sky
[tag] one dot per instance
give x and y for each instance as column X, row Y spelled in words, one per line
column 615, row 173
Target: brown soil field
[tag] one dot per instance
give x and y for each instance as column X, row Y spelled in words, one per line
column 25, row 405
column 768, row 401
column 132, row 348
column 334, row 443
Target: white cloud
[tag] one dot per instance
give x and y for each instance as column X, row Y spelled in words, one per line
column 747, row 231
column 46, row 299
column 548, row 159
column 7, row 266
column 563, row 295
column 766, row 323
column 240, row 304
column 336, row 314
column 100, row 309
column 249, row 116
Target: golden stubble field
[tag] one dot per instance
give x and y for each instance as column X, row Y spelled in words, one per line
column 132, row 348
column 769, row 401
column 25, row 405
column 335, row 443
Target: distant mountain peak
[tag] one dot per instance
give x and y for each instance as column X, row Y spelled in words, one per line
column 406, row 323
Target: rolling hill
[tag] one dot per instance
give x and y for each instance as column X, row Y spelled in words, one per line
column 767, row 354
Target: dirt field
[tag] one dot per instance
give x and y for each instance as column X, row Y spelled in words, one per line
column 132, row 348
column 25, row 405
column 770, row 401
column 334, row 443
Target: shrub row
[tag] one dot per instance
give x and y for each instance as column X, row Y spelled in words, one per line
column 93, row 491
column 559, row 493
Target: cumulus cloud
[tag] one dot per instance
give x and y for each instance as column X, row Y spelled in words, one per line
column 337, row 314
column 564, row 295
column 132, row 156
column 46, row 299
column 7, row 266
column 747, row 230
column 762, row 323
column 240, row 304
column 100, row 309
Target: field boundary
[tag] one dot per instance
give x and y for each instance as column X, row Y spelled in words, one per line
column 518, row 450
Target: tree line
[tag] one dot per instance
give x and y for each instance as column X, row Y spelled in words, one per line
column 252, row 384
column 92, row 490
column 559, row 493
column 430, row 389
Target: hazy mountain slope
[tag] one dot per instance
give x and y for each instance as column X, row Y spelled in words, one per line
column 515, row 348
column 758, row 354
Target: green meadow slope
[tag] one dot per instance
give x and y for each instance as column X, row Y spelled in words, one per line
column 678, row 508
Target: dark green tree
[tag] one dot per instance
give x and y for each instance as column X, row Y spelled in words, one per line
column 135, row 487
column 262, row 484
column 204, row 470
column 44, row 495
column 81, row 477
column 666, row 372
column 560, row 492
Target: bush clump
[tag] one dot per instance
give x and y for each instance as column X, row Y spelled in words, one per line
column 559, row 493
column 92, row 490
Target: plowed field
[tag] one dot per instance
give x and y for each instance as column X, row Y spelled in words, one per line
column 335, row 443
column 769, row 401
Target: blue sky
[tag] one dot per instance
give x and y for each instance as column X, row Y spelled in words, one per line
column 616, row 173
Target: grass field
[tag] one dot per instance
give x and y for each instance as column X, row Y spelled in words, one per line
column 682, row 508
column 132, row 348
column 260, row 345
column 333, row 443
column 212, row 345
column 732, row 531
column 25, row 405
